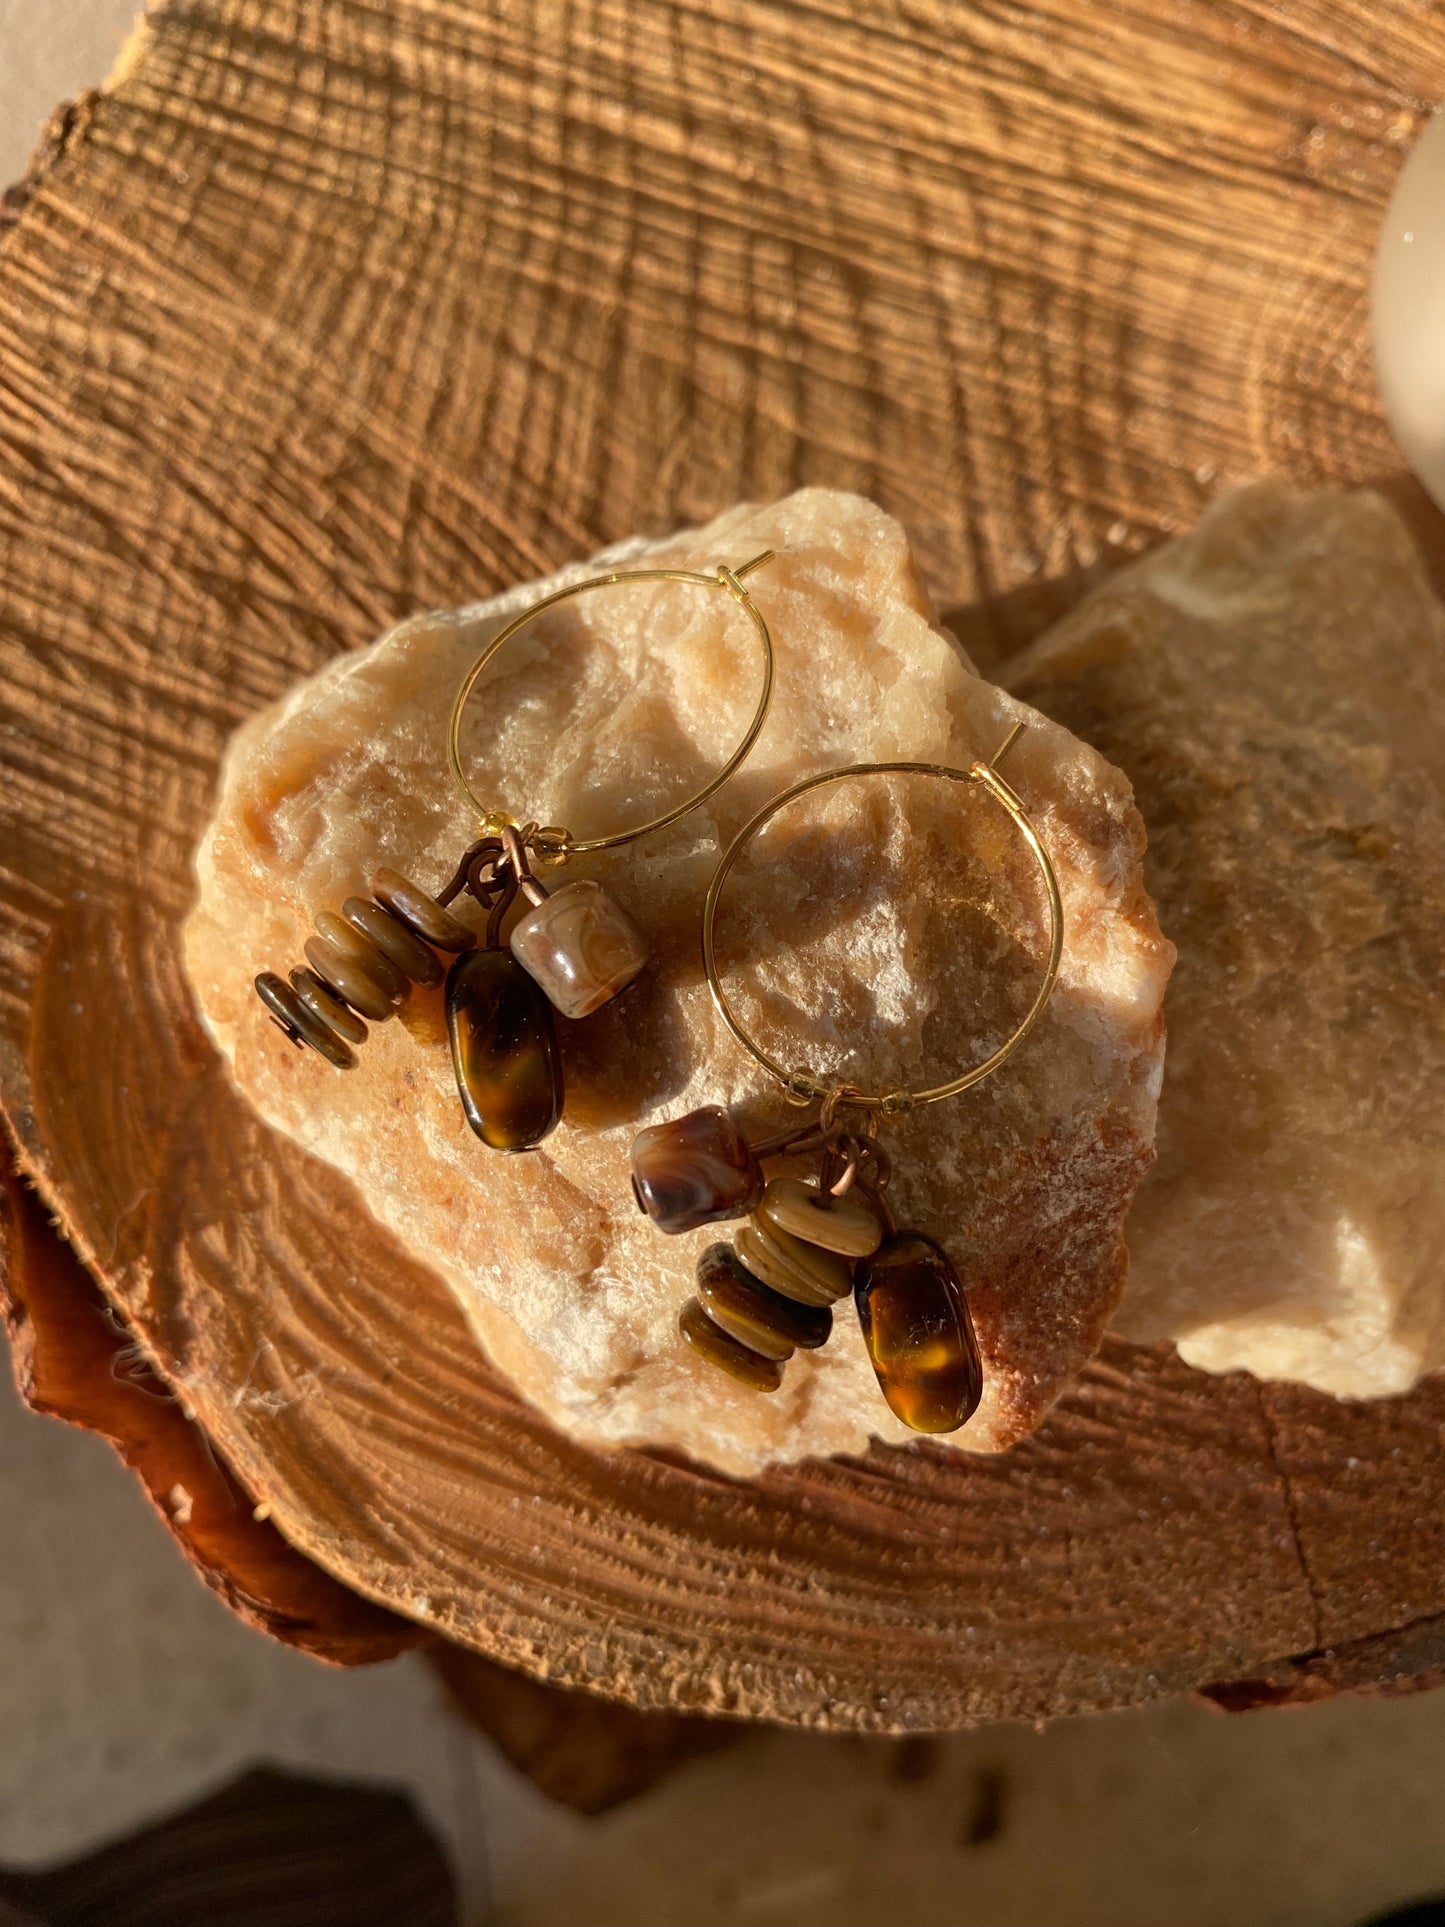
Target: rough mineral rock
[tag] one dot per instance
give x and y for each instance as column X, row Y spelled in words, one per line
column 891, row 930
column 1274, row 685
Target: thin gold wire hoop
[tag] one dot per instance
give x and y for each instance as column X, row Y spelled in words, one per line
column 801, row 1083
column 560, row 843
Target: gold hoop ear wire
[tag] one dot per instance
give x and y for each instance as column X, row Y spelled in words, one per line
column 559, row 843
column 801, row 1083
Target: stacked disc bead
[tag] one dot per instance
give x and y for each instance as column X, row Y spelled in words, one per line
column 800, row 1249
column 361, row 965
column 571, row 951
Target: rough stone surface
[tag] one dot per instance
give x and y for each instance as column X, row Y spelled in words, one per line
column 1273, row 683
column 891, row 930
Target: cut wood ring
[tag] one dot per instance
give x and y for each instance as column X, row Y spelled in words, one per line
column 559, row 844
column 798, row 1080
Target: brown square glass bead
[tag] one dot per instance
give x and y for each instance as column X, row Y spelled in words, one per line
column 694, row 1170
column 581, row 946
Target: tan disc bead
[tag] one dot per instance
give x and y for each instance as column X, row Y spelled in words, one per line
column 845, row 1225
column 339, row 956
column 395, row 942
column 329, row 1008
column 752, row 1312
column 798, row 1270
column 354, row 943
column 420, row 912
column 718, row 1348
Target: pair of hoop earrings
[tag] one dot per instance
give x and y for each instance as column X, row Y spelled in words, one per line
column 804, row 1244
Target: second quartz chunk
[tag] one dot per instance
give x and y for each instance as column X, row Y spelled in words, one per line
column 504, row 1050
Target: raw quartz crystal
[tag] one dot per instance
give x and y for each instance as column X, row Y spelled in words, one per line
column 1274, row 683
column 891, row 931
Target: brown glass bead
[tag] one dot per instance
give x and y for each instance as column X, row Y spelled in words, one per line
column 395, row 942
column 918, row 1333
column 420, row 912
column 330, row 1009
column 341, row 973
column 720, row 1349
column 694, row 1170
column 504, row 1050
column 300, row 1023
column 749, row 1311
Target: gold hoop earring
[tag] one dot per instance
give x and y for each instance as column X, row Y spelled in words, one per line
column 573, row 949
column 804, row 1246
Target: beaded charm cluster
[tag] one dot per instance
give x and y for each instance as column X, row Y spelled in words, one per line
column 804, row 1246
column 571, row 951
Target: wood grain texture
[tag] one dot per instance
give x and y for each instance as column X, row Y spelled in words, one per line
column 320, row 314
column 75, row 1360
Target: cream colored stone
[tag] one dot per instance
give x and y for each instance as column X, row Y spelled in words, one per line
column 893, row 930
column 1275, row 684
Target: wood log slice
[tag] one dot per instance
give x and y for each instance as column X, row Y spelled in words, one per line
column 321, row 313
column 75, row 1359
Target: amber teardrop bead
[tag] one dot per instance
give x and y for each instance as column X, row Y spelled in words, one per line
column 749, row 1311
column 504, row 1050
column 721, row 1349
column 918, row 1332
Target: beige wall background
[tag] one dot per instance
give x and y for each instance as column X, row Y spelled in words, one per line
column 51, row 50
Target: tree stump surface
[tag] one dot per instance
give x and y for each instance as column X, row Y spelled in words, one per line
column 322, row 313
